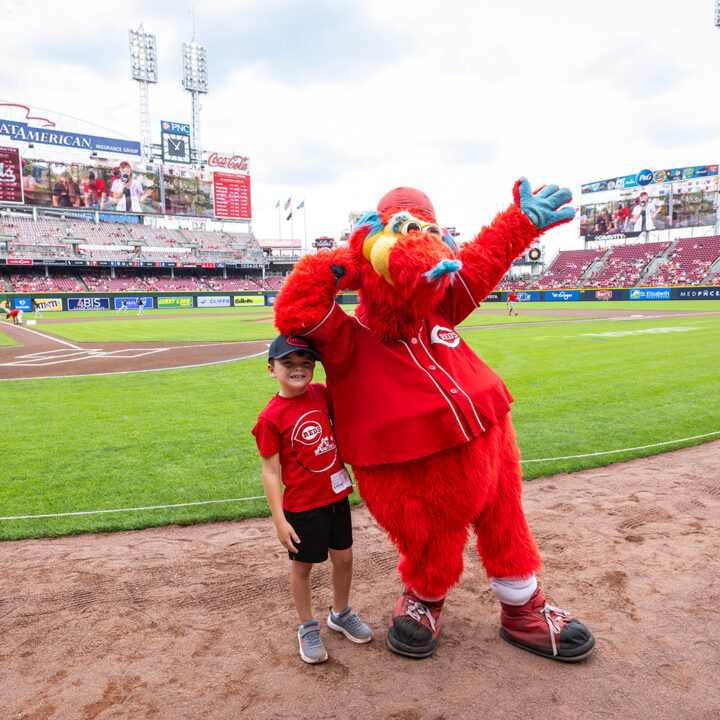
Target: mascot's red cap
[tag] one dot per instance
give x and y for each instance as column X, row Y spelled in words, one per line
column 407, row 198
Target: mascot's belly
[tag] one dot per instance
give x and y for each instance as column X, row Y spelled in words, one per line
column 449, row 488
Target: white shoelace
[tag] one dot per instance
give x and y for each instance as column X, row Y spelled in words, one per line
column 552, row 623
column 416, row 609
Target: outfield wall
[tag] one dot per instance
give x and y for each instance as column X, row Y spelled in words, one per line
column 56, row 301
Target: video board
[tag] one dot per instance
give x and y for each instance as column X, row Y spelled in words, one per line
column 128, row 187
column 650, row 200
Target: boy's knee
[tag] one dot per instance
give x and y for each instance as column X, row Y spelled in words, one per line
column 342, row 559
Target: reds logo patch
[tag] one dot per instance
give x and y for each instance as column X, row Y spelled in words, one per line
column 311, row 442
column 444, row 336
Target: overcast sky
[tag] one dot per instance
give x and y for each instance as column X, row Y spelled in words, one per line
column 336, row 102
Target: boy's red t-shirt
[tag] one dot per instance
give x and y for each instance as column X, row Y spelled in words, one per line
column 299, row 429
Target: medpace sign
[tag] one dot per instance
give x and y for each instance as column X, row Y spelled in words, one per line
column 23, row 132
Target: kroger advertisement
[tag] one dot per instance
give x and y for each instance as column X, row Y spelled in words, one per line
column 650, row 200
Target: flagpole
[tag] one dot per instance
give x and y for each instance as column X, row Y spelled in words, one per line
column 305, row 222
column 279, row 221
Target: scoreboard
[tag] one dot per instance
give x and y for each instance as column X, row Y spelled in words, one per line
column 231, row 193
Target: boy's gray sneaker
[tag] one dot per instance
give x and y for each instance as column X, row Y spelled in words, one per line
column 350, row 625
column 312, row 649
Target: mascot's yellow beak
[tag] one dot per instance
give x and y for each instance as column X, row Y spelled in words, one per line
column 376, row 250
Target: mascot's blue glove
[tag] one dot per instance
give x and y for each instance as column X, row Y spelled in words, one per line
column 542, row 205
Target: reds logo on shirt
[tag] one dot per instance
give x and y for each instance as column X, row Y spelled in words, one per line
column 312, row 442
column 444, row 336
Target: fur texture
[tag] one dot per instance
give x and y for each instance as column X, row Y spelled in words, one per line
column 428, row 505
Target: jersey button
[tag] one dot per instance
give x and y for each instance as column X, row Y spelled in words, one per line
column 413, row 341
column 431, row 367
column 453, row 391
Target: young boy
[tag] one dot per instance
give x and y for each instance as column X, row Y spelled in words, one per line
column 296, row 441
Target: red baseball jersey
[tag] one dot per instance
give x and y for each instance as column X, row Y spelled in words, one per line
column 299, row 429
column 512, row 297
column 410, row 398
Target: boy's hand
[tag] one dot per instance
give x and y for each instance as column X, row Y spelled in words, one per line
column 286, row 535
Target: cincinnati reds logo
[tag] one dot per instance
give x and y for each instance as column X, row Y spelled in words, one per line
column 297, row 342
column 312, row 442
column 444, row 336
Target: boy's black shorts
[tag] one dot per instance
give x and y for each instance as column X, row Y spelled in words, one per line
column 319, row 529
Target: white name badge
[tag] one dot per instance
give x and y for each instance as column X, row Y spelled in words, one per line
column 341, row 480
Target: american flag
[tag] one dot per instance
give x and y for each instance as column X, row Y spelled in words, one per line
column 288, row 203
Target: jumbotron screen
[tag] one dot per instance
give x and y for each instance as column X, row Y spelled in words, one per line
column 650, row 200
column 129, row 187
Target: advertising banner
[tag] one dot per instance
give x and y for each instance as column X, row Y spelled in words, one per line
column 699, row 293
column 19, row 261
column 650, row 200
column 11, row 186
column 494, row 297
column 214, row 301
column 649, row 293
column 232, row 195
column 23, row 132
column 131, row 303
column 181, row 302
column 240, row 300
column 603, row 294
column 228, row 163
column 23, row 304
column 89, row 303
column 48, row 304
column 270, row 299
column 562, row 295
column 528, row 295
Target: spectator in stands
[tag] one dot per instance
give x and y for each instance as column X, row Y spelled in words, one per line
column 94, row 191
column 127, row 192
column 61, row 191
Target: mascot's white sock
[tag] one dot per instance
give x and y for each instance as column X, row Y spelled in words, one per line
column 514, row 591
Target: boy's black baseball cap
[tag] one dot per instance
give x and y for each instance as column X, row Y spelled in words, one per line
column 283, row 345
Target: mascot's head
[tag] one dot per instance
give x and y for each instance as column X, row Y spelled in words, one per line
column 407, row 261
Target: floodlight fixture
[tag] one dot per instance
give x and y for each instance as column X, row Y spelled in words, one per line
column 717, row 13
column 143, row 56
column 195, row 67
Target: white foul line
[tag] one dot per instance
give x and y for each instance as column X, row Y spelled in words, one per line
column 262, row 497
column 131, row 372
column 50, row 337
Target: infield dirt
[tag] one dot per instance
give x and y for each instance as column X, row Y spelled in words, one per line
column 197, row 622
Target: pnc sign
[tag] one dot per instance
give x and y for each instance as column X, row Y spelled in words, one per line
column 173, row 127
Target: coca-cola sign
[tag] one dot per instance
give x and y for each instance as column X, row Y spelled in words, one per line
column 231, row 163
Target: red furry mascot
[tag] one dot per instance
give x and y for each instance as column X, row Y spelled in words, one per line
column 423, row 421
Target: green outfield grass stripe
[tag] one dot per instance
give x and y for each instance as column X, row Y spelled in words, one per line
column 262, row 497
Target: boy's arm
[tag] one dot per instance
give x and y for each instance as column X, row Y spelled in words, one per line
column 273, row 492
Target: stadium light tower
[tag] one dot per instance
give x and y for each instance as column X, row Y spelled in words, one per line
column 717, row 13
column 195, row 81
column 143, row 65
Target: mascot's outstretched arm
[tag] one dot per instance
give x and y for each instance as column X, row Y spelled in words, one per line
column 486, row 259
column 309, row 292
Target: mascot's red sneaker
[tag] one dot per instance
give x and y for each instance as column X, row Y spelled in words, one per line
column 545, row 630
column 415, row 626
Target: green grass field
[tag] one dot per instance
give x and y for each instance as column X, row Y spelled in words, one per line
column 161, row 438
